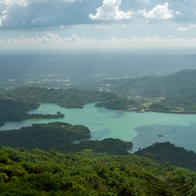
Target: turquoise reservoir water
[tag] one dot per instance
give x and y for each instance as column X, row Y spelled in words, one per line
column 140, row 128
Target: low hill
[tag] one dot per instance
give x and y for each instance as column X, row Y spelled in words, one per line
column 167, row 153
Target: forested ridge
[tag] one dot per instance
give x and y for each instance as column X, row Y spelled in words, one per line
column 176, row 92
column 71, row 98
column 175, row 84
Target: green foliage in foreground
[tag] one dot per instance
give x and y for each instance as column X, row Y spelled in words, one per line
column 41, row 173
column 166, row 185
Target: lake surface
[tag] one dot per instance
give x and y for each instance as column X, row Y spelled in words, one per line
column 140, row 128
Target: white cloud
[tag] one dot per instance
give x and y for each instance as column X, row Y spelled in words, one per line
column 110, row 11
column 183, row 28
column 158, row 12
column 186, row 28
column 192, row 25
column 178, row 13
column 15, row 2
column 8, row 20
column 54, row 41
column 32, row 14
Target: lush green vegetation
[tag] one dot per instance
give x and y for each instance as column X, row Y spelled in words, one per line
column 63, row 136
column 102, row 168
column 178, row 90
column 167, row 153
column 11, row 110
column 86, row 173
column 114, row 101
column 44, row 136
column 185, row 103
column 108, row 145
column 14, row 106
column 72, row 98
column 176, row 84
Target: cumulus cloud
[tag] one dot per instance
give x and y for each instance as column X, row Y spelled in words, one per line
column 158, row 12
column 110, row 11
column 23, row 14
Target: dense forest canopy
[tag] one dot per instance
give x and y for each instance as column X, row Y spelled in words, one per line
column 86, row 173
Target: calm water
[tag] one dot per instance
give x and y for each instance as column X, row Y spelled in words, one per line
column 140, row 128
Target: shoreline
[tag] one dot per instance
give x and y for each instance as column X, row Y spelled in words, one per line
column 169, row 112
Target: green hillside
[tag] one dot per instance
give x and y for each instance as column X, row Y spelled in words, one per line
column 167, row 153
column 173, row 93
column 41, row 173
column 156, row 86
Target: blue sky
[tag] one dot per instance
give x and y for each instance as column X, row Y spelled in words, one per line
column 70, row 24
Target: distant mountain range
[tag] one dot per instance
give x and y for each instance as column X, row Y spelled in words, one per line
column 176, row 84
column 177, row 91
